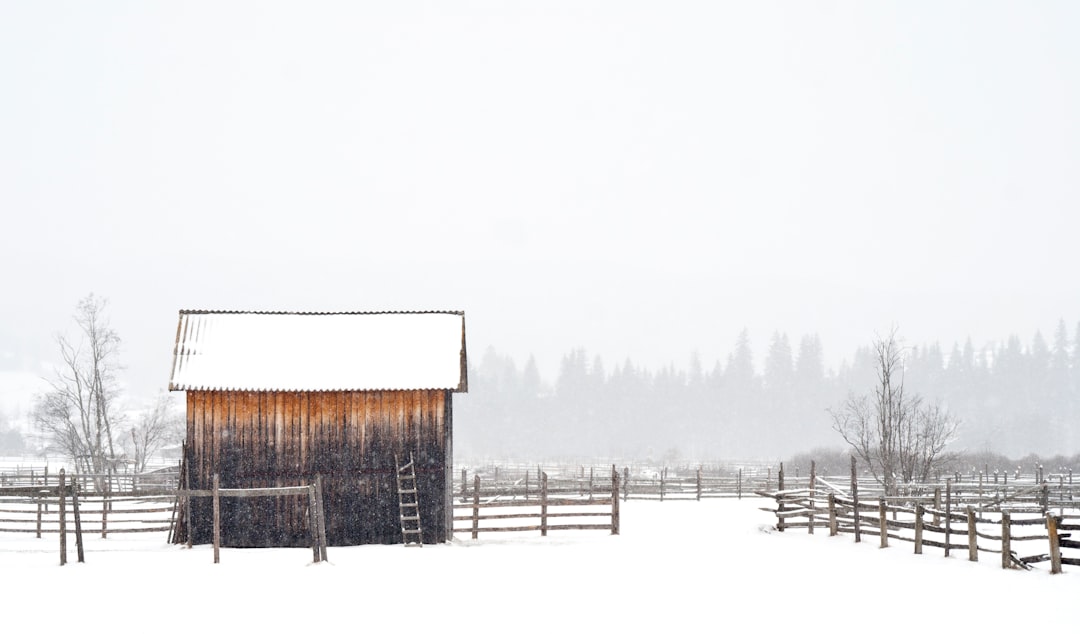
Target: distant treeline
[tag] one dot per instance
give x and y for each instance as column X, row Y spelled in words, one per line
column 1013, row 398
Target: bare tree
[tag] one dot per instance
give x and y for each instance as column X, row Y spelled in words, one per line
column 78, row 416
column 154, row 428
column 896, row 434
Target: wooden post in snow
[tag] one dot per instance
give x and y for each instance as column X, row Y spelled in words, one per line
column 1006, row 540
column 63, row 521
column 937, row 506
column 543, row 504
column 1055, row 544
column 614, row 500
column 832, row 515
column 313, row 523
column 322, row 517
column 217, row 520
column 813, row 501
column 855, row 501
column 918, row 528
column 476, row 508
column 883, row 523
column 973, row 538
column 780, row 498
column 948, row 517
column 78, row 520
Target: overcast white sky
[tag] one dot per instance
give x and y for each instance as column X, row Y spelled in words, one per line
column 644, row 179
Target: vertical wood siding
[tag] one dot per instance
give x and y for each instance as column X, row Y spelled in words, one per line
column 263, row 439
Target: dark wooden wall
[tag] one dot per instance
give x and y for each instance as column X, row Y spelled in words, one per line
column 264, row 439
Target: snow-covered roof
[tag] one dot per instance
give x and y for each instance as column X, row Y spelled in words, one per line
column 300, row 352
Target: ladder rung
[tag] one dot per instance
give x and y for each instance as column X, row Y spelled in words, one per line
column 406, row 491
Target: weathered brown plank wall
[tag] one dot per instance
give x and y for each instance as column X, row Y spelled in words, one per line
column 261, row 439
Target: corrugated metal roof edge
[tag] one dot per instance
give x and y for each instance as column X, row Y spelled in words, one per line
column 340, row 312
column 203, row 388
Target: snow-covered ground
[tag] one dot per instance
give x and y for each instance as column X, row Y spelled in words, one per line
column 714, row 565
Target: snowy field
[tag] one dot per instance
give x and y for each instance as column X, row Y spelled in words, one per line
column 714, row 565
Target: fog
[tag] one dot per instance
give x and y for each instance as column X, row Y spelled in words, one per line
column 642, row 181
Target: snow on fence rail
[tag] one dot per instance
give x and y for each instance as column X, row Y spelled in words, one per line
column 551, row 507
column 1019, row 524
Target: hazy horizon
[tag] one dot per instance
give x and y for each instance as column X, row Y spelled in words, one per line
column 643, row 181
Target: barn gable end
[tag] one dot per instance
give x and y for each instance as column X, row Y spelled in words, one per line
column 276, row 399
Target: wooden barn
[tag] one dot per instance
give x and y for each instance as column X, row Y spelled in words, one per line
column 275, row 399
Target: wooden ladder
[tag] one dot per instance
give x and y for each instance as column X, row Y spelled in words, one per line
column 408, row 502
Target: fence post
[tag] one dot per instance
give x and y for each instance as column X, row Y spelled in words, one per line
column 832, row 515
column 464, row 484
column 813, row 501
column 1006, row 540
column 313, row 523
column 663, row 476
column 948, row 516
column 614, row 500
column 476, row 507
column 63, row 521
column 937, row 506
column 699, row 483
column 780, row 498
column 740, row 483
column 105, row 507
column 1055, row 545
column 526, row 485
column 187, row 498
column 322, row 516
column 855, row 502
column 626, row 484
column 217, row 520
column 39, row 506
column 918, row 528
column 590, row 484
column 883, row 523
column 973, row 538
column 78, row 519
column 543, row 504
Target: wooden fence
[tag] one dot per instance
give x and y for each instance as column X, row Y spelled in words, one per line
column 1023, row 523
column 659, row 484
column 40, row 496
column 316, row 514
column 549, row 507
column 162, row 480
